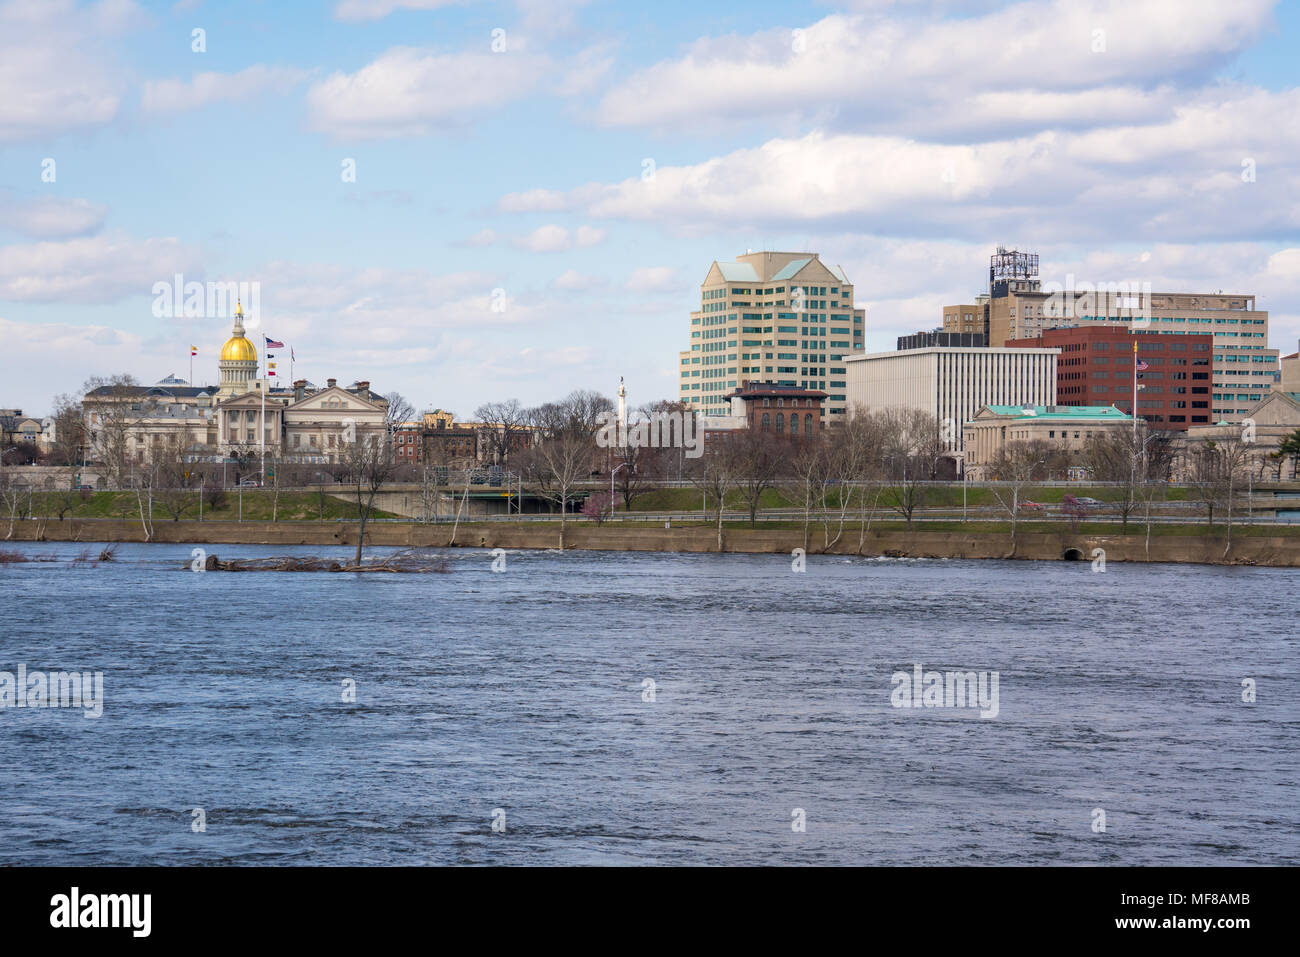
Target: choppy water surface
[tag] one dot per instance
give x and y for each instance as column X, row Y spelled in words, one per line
column 524, row 691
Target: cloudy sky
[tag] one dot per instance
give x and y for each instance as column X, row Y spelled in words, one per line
column 583, row 162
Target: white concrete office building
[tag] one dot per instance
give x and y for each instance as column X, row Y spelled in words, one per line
column 952, row 384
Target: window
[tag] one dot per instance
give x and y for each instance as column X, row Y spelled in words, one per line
column 780, row 421
column 767, row 421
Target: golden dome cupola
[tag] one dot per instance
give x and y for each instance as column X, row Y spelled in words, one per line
column 238, row 349
column 238, row 363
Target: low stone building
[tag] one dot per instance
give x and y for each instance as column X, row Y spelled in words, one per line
column 1266, row 426
column 19, row 429
column 1064, row 427
column 131, row 428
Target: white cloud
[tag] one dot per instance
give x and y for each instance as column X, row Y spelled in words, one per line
column 1181, row 178
column 57, row 70
column 537, row 17
column 654, row 279
column 51, row 217
column 534, row 201
column 589, row 236
column 546, row 239
column 101, row 269
column 947, row 75
column 573, row 281
column 83, row 351
column 587, row 70
column 553, row 239
column 171, row 96
column 409, row 92
column 378, row 9
column 548, row 17
column 484, row 237
column 521, row 365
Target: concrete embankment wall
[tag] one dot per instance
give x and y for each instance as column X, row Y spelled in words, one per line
column 1259, row 550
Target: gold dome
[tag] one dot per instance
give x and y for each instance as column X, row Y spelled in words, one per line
column 238, row 349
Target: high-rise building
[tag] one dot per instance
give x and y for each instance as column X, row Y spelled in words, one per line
column 1096, row 368
column 782, row 318
column 968, row 319
column 1020, row 306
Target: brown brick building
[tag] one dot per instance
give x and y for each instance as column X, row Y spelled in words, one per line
column 789, row 411
column 447, row 444
column 1096, row 368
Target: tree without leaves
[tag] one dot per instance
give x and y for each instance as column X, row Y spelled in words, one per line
column 369, row 461
column 565, row 448
column 108, row 437
column 504, row 422
column 67, row 451
column 1074, row 510
column 804, row 478
column 584, row 409
column 671, row 460
column 757, row 458
column 172, row 485
column 641, row 467
column 849, row 464
column 1116, row 455
column 644, row 464
column 1018, row 464
column 598, row 507
column 11, row 496
column 1218, row 466
column 910, row 450
column 556, row 465
column 715, row 474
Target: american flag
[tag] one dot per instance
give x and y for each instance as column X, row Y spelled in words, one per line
column 1142, row 366
column 272, row 344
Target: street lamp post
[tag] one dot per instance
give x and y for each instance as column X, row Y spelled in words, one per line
column 961, row 457
column 621, row 465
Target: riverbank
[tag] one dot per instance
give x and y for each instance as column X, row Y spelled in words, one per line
column 1251, row 546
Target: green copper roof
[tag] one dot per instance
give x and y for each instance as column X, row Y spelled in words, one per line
column 1060, row 412
column 790, row 269
column 738, row 272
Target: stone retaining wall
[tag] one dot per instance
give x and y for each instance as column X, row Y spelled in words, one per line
column 1258, row 550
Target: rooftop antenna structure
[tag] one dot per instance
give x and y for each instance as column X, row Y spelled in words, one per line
column 1010, row 265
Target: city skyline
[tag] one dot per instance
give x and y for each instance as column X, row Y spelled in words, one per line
column 579, row 171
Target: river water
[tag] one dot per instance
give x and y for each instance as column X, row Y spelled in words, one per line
column 521, row 698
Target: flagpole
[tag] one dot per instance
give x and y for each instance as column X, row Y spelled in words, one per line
column 264, row 412
column 1135, row 389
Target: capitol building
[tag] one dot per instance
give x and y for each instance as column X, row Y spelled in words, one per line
column 242, row 417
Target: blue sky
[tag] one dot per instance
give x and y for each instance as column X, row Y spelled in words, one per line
column 901, row 141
